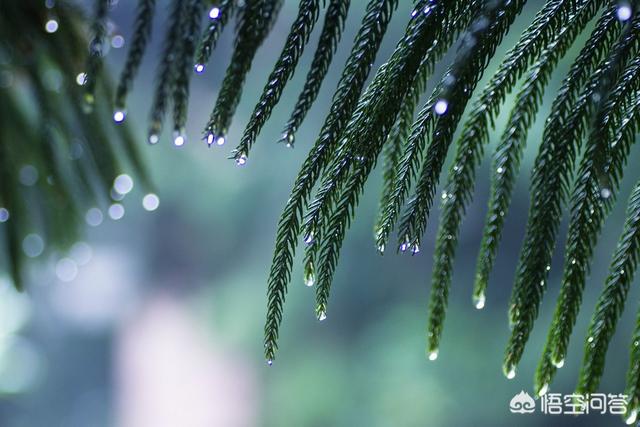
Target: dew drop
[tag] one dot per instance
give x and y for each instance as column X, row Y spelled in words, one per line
column 479, row 301
column 500, row 170
column 558, row 363
column 624, row 12
column 119, row 116
column 511, row 374
column 269, row 362
column 81, row 79
column 632, row 417
column 605, row 193
column 94, row 217
column 242, row 160
column 415, row 249
column 433, row 355
column 441, row 107
column 51, row 26
column 322, row 316
column 4, row 215
column 123, row 184
column 179, row 138
column 214, row 13
column 543, row 390
column 220, row 141
column 33, row 245
column 153, row 138
column 150, row 202
column 116, row 211
column 199, row 68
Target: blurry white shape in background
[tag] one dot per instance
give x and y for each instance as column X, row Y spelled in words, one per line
column 170, row 373
column 100, row 294
column 20, row 362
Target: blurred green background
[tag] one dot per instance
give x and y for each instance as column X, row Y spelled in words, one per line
column 162, row 324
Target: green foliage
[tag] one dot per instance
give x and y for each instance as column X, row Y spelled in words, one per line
column 58, row 159
column 597, row 103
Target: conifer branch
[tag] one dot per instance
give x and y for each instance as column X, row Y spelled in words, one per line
column 96, row 51
column 354, row 75
column 506, row 159
column 334, row 21
column 184, row 59
column 612, row 299
column 166, row 74
column 301, row 29
column 141, row 36
column 550, row 183
column 590, row 205
column 256, row 20
column 219, row 17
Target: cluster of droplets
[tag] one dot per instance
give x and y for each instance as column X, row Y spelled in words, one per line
column 213, row 139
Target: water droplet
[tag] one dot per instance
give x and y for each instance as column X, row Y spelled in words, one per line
column 632, row 417
column 308, row 238
column 269, row 362
column 322, row 316
column 573, row 261
column 153, row 138
column 94, row 217
column 548, row 267
column 51, row 26
column 590, row 339
column 624, row 12
column 123, row 184
column 33, row 245
column 605, row 193
column 214, row 13
column 81, row 79
column 119, row 116
column 81, row 253
column 4, row 215
column 242, row 160
column 381, row 248
column 543, row 390
column 116, row 211
column 415, row 249
column 309, row 274
column 444, row 195
column 66, row 270
column 500, row 170
column 433, row 355
column 558, row 363
column 199, row 68
column 441, row 107
column 220, row 141
column 479, row 301
column 511, row 374
column 179, row 138
column 117, row 41
column 28, row 175
column 150, row 202
column 541, row 282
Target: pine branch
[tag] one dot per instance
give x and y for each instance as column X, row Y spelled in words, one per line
column 184, row 60
column 219, row 17
column 96, row 48
column 621, row 272
column 551, row 175
column 486, row 32
column 298, row 38
column 400, row 140
column 354, row 75
column 364, row 137
column 256, row 20
column 141, row 36
column 590, row 205
column 509, row 151
column 327, row 45
column 166, row 74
